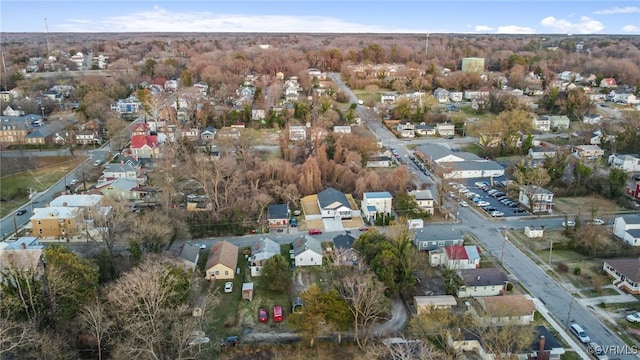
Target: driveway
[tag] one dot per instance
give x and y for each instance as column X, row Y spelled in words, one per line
column 331, row 224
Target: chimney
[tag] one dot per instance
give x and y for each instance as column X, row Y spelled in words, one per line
column 64, row 204
column 541, row 347
column 23, row 246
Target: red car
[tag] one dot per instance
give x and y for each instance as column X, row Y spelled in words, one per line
column 263, row 315
column 277, row 313
column 315, row 232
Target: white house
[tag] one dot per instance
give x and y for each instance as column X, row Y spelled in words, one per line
column 343, row 129
column 456, row 96
column 424, row 304
column 334, row 204
column 625, row 273
column 627, row 228
column 588, row 151
column 507, row 309
column 541, row 202
column 23, row 254
column 307, row 251
column 441, row 95
column 424, row 198
column 591, row 119
column 543, row 123
column 406, row 129
column 445, row 129
column 626, row 163
column 533, row 232
column 119, row 171
column 374, row 203
column 297, row 133
column 388, row 98
column 482, row 282
column 261, row 251
column 559, row 122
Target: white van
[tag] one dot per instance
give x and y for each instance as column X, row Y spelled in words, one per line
column 580, row 333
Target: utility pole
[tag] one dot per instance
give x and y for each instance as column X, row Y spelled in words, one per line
column 426, row 49
column 570, row 309
column 15, row 224
column 46, row 26
column 504, row 243
column 550, row 249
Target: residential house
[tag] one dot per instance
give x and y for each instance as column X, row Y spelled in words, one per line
column 625, row 162
column 626, row 97
column 278, row 216
column 507, row 309
column 423, row 129
column 627, row 228
column 121, row 189
column 588, row 151
column 445, row 129
column 542, row 152
column 625, row 273
column 482, row 93
column 456, row 96
column 541, row 202
column 345, row 129
column 608, row 83
column 171, row 85
column 191, row 134
column 142, row 129
column 482, row 282
column 127, row 106
column 343, row 251
column 560, row 122
column 297, row 133
column 55, row 221
column 229, row 132
column 406, row 129
column 189, row 256
column 307, row 251
column 202, row 88
column 14, row 129
column 12, row 110
column 263, row 250
column 424, row 304
column 456, row 257
column 208, row 135
column 592, row 119
column 379, row 161
column 431, row 240
column 222, row 262
column 545, row 346
column 257, row 114
column 334, row 204
column 387, row 98
column 87, row 137
column 424, row 198
column 88, row 202
column 542, row 123
column 120, row 171
column 23, row 254
column 51, row 133
column 374, row 203
column 441, row 95
column 145, row 146
column 6, row 97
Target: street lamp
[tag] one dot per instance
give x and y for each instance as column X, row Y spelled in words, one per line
column 550, row 250
column 504, row 243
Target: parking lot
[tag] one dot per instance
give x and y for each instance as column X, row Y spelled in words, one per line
column 491, row 200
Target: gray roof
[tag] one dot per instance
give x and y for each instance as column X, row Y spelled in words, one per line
column 190, row 252
column 422, row 194
column 306, row 242
column 46, row 130
column 635, row 233
column 20, row 122
column 483, row 277
column 631, row 219
column 119, row 167
column 435, row 151
column 330, row 196
column 630, row 268
column 120, row 183
column 278, row 211
column 427, row 234
column 343, row 241
column 473, row 165
column 264, row 249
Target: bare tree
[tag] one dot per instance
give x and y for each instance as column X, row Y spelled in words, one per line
column 366, row 299
column 94, row 318
column 13, row 336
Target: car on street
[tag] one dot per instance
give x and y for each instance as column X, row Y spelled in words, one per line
column 634, row 317
column 97, row 163
column 597, row 222
column 74, row 181
column 263, row 315
column 21, row 212
column 597, row 351
column 463, row 204
column 315, row 231
column 228, row 287
column 569, row 223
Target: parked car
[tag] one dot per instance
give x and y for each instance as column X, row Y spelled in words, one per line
column 463, row 204
column 578, row 332
column 200, row 340
column 489, row 209
column 483, row 203
column 597, row 222
column 201, row 246
column 277, row 313
column 228, row 286
column 230, row 341
column 497, row 214
column 518, row 210
column 634, row 317
column 263, row 315
column 21, row 212
column 364, row 228
column 315, row 231
column 597, row 351
column 74, row 181
column 569, row 223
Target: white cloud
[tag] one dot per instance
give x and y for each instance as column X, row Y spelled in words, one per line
column 631, row 28
column 586, row 25
column 515, row 29
column 483, row 28
column 161, row 20
column 618, row 10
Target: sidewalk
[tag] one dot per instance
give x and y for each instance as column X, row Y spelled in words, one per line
column 560, row 329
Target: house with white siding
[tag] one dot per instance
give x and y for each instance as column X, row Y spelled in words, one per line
column 307, row 251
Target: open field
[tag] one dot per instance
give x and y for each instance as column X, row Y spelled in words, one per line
column 38, row 175
column 585, row 206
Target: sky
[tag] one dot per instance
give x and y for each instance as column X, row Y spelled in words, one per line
column 327, row 16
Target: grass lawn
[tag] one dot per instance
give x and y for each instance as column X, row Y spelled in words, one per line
column 15, row 188
column 570, row 355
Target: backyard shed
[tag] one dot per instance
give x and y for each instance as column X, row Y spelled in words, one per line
column 247, row 291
